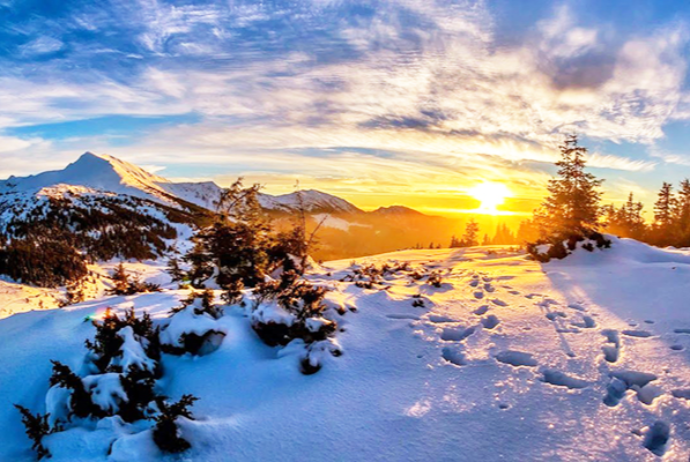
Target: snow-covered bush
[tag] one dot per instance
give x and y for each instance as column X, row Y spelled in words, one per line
column 192, row 327
column 562, row 245
column 435, row 279
column 290, row 308
column 166, row 433
column 124, row 364
column 124, row 285
column 79, row 402
column 121, row 342
column 37, row 427
column 233, row 294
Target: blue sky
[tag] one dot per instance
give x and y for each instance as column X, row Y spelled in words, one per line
column 381, row 102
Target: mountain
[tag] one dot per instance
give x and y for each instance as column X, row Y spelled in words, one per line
column 397, row 210
column 104, row 173
column 314, row 202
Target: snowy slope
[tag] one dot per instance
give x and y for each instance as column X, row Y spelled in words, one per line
column 314, row 201
column 508, row 360
column 110, row 174
column 101, row 172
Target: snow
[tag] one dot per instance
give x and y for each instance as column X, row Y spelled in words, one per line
column 104, row 174
column 314, row 201
column 412, row 383
column 330, row 221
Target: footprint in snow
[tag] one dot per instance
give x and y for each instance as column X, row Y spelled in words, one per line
column 681, row 331
column 481, row 310
column 453, row 356
column 516, row 358
column 474, row 283
column 587, row 322
column 623, row 381
column 478, row 294
column 681, row 393
column 399, row 316
column 488, row 287
column 553, row 315
column 613, row 347
column 559, row 379
column 490, row 321
column 637, row 333
column 456, row 334
column 499, row 302
column 656, row 438
column 439, row 318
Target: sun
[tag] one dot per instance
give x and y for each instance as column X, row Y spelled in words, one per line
column 491, row 195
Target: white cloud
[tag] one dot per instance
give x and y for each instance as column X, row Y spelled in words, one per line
column 41, row 46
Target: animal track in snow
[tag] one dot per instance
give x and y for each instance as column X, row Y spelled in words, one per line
column 677, row 347
column 453, row 356
column 637, row 333
column 657, row 438
column 456, row 334
column 553, row 315
column 560, row 379
column 490, row 321
column 516, row 358
column 489, row 288
column 587, row 322
column 481, row 310
column 681, row 331
column 478, row 294
column 498, row 302
column 403, row 316
column 682, row 393
column 612, row 351
column 623, row 381
column 438, row 318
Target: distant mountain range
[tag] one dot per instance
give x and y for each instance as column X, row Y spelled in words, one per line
column 100, row 173
column 108, row 208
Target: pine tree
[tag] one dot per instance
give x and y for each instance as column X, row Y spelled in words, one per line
column 627, row 221
column 573, row 202
column 469, row 239
column 665, row 206
column 120, row 280
column 683, row 214
column 486, row 240
column 176, row 273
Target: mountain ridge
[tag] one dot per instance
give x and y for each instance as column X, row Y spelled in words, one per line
column 109, row 174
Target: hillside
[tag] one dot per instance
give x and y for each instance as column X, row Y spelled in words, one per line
column 108, row 174
column 504, row 359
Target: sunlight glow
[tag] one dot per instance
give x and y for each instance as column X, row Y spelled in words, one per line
column 491, row 195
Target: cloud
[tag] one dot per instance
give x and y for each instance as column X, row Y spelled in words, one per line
column 41, row 46
column 418, row 90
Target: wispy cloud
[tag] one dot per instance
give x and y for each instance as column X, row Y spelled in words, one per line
column 422, row 87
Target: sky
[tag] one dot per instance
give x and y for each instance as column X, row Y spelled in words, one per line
column 412, row 102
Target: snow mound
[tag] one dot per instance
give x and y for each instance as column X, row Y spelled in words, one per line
column 584, row 358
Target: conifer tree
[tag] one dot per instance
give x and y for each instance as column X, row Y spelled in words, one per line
column 665, row 206
column 120, row 280
column 573, row 202
column 486, row 240
column 470, row 238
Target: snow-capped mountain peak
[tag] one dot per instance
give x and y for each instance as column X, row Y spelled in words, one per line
column 108, row 174
column 95, row 171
